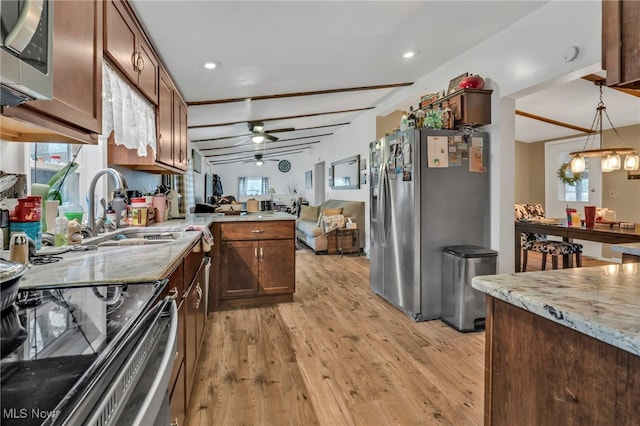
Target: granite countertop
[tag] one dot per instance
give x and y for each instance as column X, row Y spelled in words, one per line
column 602, row 302
column 630, row 248
column 123, row 264
column 205, row 219
column 132, row 264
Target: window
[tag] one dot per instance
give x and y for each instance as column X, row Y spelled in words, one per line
column 250, row 186
column 579, row 191
column 46, row 159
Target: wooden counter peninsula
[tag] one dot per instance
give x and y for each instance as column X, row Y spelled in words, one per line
column 254, row 259
column 563, row 347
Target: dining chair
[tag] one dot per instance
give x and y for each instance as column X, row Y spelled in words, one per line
column 539, row 243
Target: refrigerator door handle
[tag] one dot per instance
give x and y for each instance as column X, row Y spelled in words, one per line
column 384, row 212
column 387, row 207
column 381, row 205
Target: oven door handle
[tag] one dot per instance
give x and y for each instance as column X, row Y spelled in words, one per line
column 151, row 405
column 160, row 337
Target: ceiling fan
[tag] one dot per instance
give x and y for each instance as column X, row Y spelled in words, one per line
column 258, row 135
column 259, row 159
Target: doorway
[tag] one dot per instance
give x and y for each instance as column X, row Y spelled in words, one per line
column 318, row 183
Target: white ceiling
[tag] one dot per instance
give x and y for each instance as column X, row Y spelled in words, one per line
column 283, row 47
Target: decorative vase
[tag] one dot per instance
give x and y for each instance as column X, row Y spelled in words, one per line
column 472, row 82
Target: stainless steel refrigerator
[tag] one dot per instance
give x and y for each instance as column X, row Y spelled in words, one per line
column 429, row 189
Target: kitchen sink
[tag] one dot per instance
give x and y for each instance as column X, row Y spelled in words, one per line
column 134, row 238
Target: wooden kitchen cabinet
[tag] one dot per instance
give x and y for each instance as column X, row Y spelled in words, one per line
column 75, row 112
column 256, row 262
column 194, row 267
column 172, row 143
column 469, row 106
column 621, row 42
column 186, row 286
column 126, row 47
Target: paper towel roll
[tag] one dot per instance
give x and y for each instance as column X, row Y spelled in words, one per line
column 42, row 190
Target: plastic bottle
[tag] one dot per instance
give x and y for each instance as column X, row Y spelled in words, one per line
column 62, row 231
column 420, row 114
column 111, row 216
column 119, row 206
column 404, row 121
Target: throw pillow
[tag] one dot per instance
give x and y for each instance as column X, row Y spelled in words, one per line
column 309, row 213
column 328, row 212
column 329, row 223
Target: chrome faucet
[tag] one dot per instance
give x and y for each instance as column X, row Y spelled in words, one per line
column 121, row 183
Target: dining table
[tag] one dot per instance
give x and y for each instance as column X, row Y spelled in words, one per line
column 608, row 233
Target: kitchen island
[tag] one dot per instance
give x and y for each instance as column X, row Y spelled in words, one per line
column 630, row 252
column 563, row 346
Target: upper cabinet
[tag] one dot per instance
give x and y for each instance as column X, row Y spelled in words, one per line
column 127, row 48
column 621, row 42
column 468, row 106
column 75, row 112
column 172, row 144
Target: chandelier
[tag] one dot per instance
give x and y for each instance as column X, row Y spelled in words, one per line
column 610, row 156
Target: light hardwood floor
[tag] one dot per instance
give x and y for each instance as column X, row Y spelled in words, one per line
column 337, row 355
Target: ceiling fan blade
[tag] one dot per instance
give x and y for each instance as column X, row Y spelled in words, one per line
column 243, row 140
column 269, row 137
column 285, row 129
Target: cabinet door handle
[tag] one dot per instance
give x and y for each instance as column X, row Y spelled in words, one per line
column 173, row 293
column 134, row 59
column 255, row 253
column 175, row 422
column 140, row 62
column 261, row 254
column 199, row 291
column 257, row 231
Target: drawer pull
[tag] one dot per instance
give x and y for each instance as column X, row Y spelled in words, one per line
column 257, row 231
column 173, row 293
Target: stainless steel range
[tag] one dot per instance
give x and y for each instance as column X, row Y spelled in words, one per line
column 92, row 355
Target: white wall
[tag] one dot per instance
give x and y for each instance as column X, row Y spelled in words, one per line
column 514, row 62
column 281, row 182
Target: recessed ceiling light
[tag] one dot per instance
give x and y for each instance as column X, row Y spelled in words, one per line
column 211, row 65
column 410, row 54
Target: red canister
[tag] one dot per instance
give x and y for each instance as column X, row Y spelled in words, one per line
column 28, row 209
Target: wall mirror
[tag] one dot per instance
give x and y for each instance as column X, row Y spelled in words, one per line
column 345, row 173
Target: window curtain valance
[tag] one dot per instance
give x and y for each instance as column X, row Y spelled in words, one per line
column 127, row 113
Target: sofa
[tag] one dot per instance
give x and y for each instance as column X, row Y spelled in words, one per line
column 312, row 223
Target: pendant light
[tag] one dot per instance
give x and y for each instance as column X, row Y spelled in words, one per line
column 611, row 159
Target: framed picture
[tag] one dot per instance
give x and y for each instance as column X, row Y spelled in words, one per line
column 453, row 84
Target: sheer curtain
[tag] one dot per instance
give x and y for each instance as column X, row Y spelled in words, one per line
column 131, row 117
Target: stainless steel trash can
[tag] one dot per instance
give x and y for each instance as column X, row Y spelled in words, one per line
column 463, row 307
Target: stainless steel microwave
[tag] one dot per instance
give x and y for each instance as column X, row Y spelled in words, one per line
column 26, row 44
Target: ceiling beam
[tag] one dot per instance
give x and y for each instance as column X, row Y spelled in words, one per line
column 269, row 131
column 297, row 94
column 315, row 114
column 596, row 78
column 270, row 143
column 554, row 122
column 264, row 149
